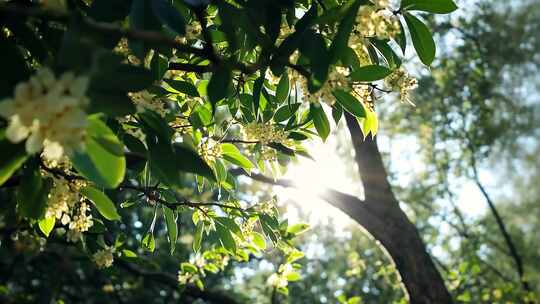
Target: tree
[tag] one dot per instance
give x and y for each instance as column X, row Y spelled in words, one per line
column 142, row 102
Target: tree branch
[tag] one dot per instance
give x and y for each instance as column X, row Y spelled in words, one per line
column 500, row 224
column 181, row 201
column 370, row 166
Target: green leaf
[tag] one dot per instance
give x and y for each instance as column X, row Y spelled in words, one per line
column 183, row 87
column 218, row 85
column 12, row 156
column 229, row 224
column 258, row 240
column 159, row 65
column 322, row 125
column 155, row 125
column 285, row 112
column 337, row 112
column 341, row 39
column 102, row 202
column 295, row 256
column 172, row 227
column 392, row 59
column 226, row 238
column 298, row 229
column 293, row 41
column 103, row 161
column 257, row 88
column 128, row 253
column 46, row 225
column 161, row 156
column 401, row 38
column 430, row 6
column 370, row 73
column 188, row 160
column 282, row 90
column 169, row 16
column 314, row 48
column 188, row 268
column 220, row 170
column 369, row 124
column 231, row 153
column 32, row 193
column 293, row 276
column 197, row 239
column 149, row 242
column 350, row 103
column 422, row 39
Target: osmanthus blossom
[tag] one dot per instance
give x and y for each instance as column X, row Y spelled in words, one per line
column 49, row 113
column 104, row 258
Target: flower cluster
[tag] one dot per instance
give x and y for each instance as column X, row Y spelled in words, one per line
column 280, row 279
column 104, row 258
column 146, row 101
column 337, row 78
column 359, row 45
column 268, row 154
column 373, row 21
column 264, row 133
column 400, row 81
column 210, row 261
column 193, row 30
column 209, row 150
column 65, row 204
column 122, row 48
column 80, row 222
column 363, row 93
column 49, row 112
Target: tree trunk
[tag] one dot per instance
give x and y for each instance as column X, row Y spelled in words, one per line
column 390, row 226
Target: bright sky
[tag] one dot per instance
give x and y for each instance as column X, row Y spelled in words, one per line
column 329, row 170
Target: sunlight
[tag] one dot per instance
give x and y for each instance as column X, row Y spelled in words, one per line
column 327, row 170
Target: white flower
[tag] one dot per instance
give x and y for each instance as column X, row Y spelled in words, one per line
column 277, row 280
column 400, row 81
column 104, row 258
column 48, row 112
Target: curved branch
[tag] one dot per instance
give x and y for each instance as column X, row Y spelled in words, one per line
column 501, row 225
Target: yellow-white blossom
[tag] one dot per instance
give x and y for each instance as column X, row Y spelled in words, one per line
column 49, row 113
column 400, row 81
column 277, row 280
column 61, row 199
column 337, row 79
column 81, row 221
column 193, row 30
column 68, row 207
column 145, row 101
column 372, row 21
column 268, row 154
column 264, row 133
column 209, row 150
column 108, row 288
column 363, row 92
column 104, row 258
column 186, row 277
